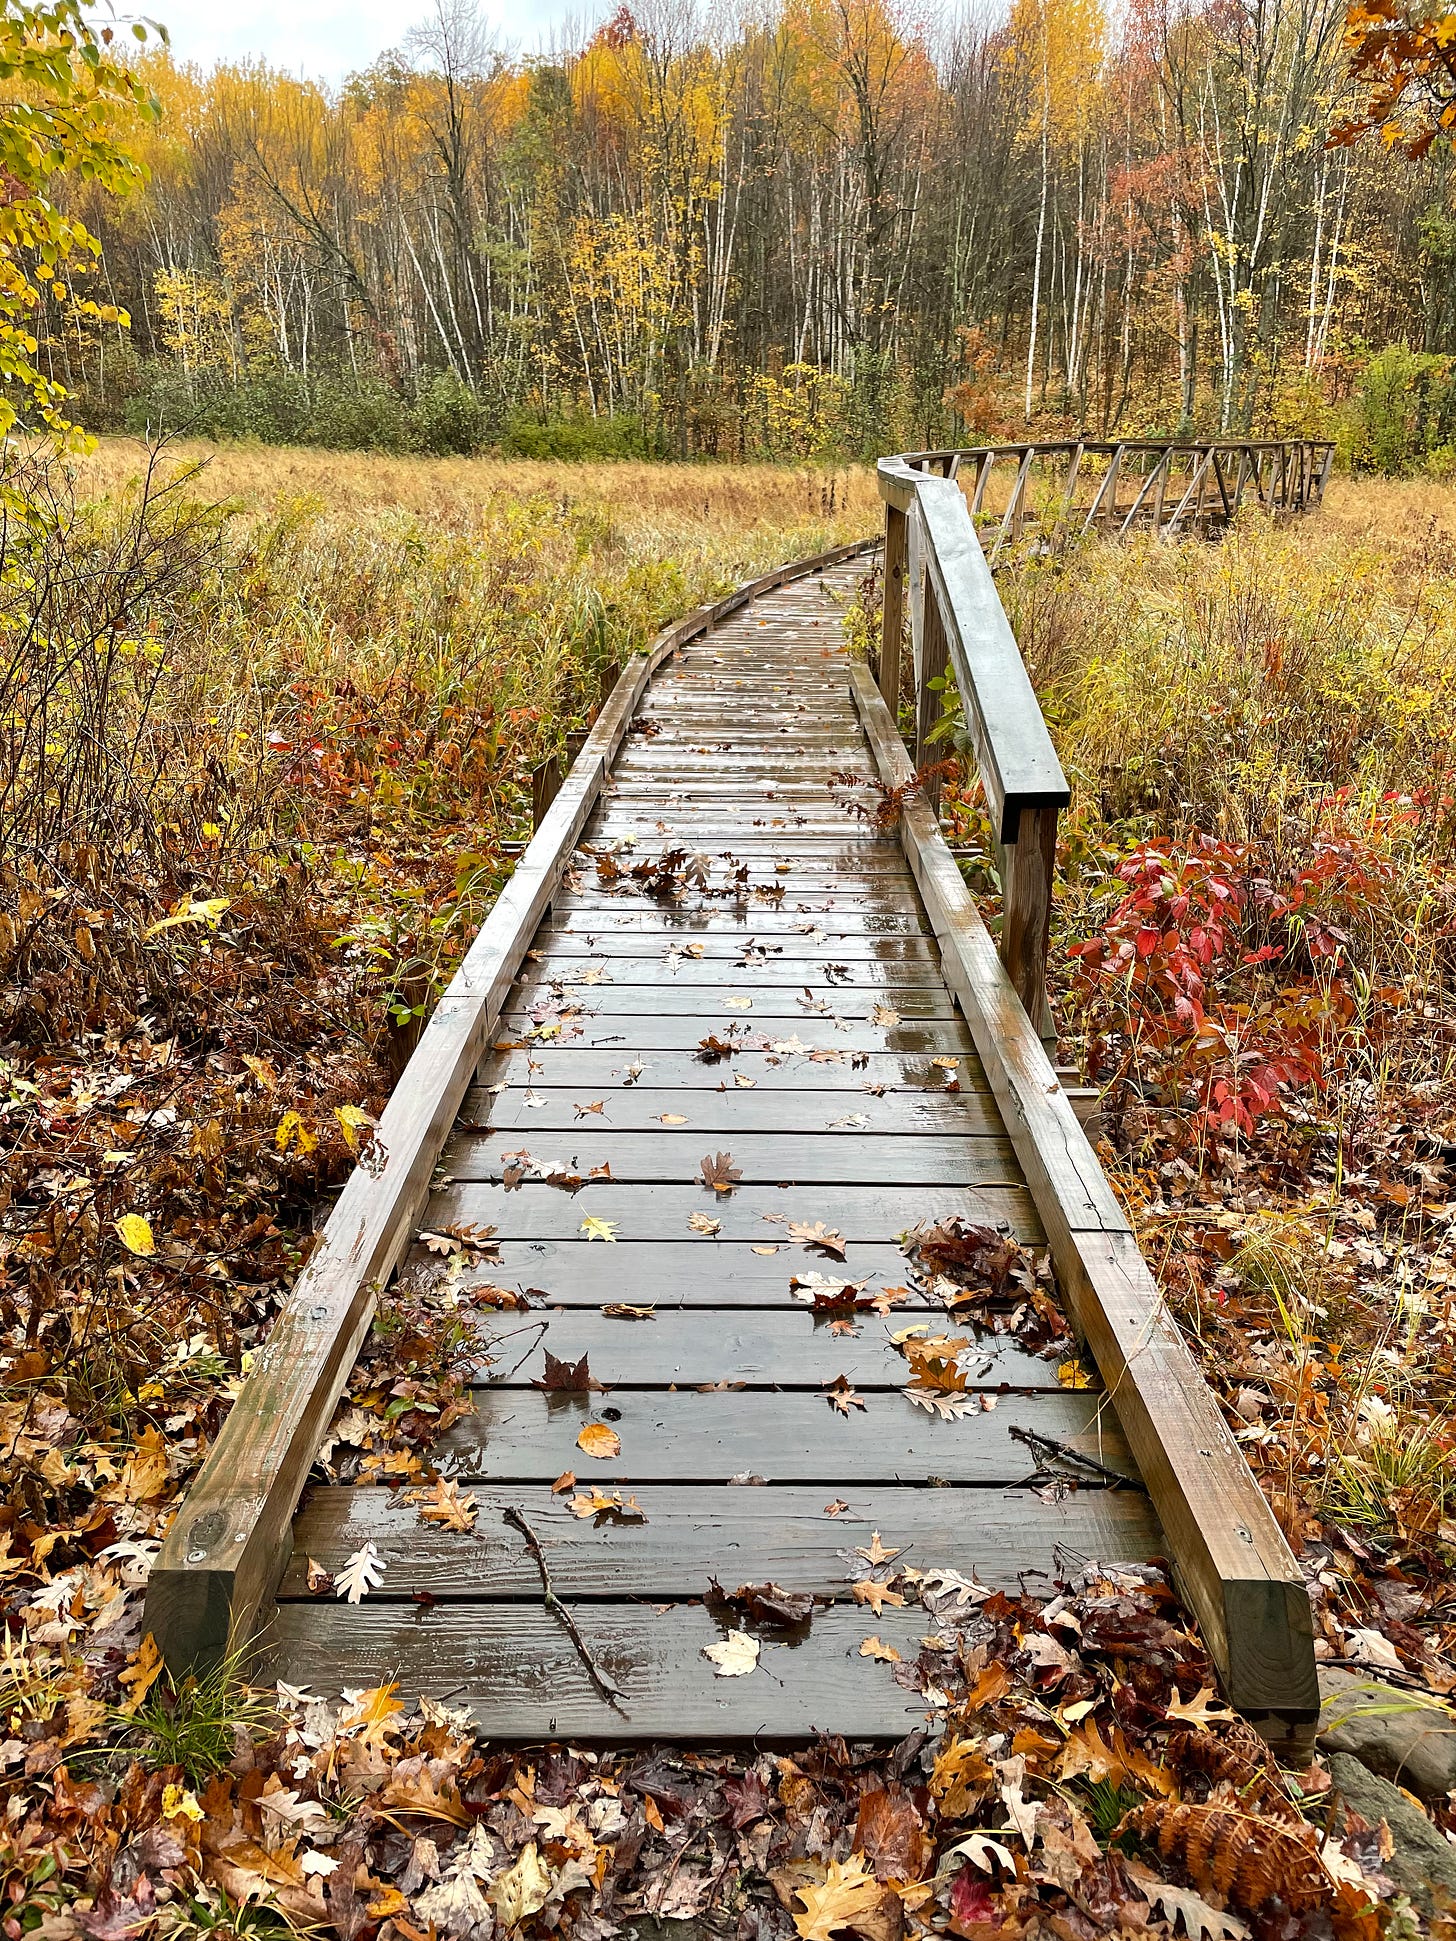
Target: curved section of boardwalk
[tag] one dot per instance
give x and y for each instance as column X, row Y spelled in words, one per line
column 856, row 1099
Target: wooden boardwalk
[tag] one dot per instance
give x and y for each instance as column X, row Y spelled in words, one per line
column 708, row 962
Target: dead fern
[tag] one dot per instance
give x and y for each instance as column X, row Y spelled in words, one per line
column 1248, row 1859
column 892, row 800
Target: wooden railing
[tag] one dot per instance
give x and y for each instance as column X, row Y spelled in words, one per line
column 1064, row 489
column 938, row 574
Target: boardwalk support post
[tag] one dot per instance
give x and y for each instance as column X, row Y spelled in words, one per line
column 892, row 610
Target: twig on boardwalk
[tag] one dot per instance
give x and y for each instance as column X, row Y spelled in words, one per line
column 605, row 1688
column 1042, row 1446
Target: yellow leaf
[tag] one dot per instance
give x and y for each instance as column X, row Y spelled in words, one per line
column 597, row 1229
column 596, row 1439
column 135, row 1234
column 352, row 1121
column 1071, row 1374
column 848, row 1898
column 179, row 1804
column 141, row 1674
column 208, row 911
column 292, row 1131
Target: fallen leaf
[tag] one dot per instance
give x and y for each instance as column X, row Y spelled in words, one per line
column 851, row 1122
column 143, row 1671
column 765, row 1603
column 568, row 1377
column 445, row 1505
column 841, row 1396
column 836, row 1508
column 625, row 1311
column 600, row 1441
column 607, row 1509
column 744, row 1083
column 598, row 1229
column 876, row 1648
column 870, row 1591
column 763, row 1250
column 584, row 1111
column 319, row 1580
column 884, row 1014
column 135, row 1234
column 820, row 1236
column 718, row 1171
column 523, row 1889
column 565, row 1481
column 704, row 1223
column 874, row 1552
column 734, row 1656
column 848, row 1898
column 1200, row 1710
column 672, row 1118
column 1201, row 1922
column 739, row 1003
column 361, row 1573
column 980, row 1849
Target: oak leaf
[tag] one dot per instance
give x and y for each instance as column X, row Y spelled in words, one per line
column 734, row 1656
column 840, row 1395
column 849, row 1897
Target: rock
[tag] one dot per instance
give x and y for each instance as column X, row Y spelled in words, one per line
column 1400, row 1735
column 1423, row 1859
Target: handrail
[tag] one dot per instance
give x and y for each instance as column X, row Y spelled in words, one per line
column 938, row 573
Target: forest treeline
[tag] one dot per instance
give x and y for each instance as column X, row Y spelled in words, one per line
column 805, row 230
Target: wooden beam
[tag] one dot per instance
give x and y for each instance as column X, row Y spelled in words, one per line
column 230, row 1538
column 1230, row 1559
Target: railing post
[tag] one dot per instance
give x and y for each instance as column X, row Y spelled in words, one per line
column 892, row 611
column 1026, row 897
column 934, row 658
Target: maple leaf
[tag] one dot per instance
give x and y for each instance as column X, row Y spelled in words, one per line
column 360, row 1573
column 568, row 1377
column 523, row 1889
column 870, row 1591
column 734, row 1656
column 840, row 1395
column 599, row 1440
column 849, row 1897
column 598, row 1229
column 719, row 1172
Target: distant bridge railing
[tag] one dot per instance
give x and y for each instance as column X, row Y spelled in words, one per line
column 937, row 571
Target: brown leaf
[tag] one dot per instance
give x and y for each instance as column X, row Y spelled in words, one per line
column 625, row 1311
column 876, row 1595
column 712, row 1048
column 888, row 1830
column 765, row 1603
column 565, row 1481
column 568, row 1377
column 840, row 1395
column 608, row 1509
column 820, row 1236
column 719, row 1172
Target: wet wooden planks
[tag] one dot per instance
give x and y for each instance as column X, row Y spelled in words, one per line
column 845, row 1087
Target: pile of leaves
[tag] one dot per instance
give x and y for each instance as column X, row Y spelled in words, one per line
column 1075, row 1777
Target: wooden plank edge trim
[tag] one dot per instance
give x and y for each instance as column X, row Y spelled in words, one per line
column 229, row 1540
column 1230, row 1558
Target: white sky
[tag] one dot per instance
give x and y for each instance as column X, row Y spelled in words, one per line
column 327, row 39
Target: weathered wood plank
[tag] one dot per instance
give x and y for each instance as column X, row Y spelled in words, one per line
column 784, row 1347
column 671, row 1154
column 666, row 1274
column 667, row 999
column 537, row 1212
column 589, row 1072
column 516, row 1669
column 779, row 1535
column 793, row 1437
column 733, row 1111
column 892, row 973
column 759, row 1026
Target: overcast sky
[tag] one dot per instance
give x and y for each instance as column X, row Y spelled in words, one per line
column 327, row 39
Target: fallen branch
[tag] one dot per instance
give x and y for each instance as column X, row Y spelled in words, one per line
column 1042, row 1446
column 605, row 1688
